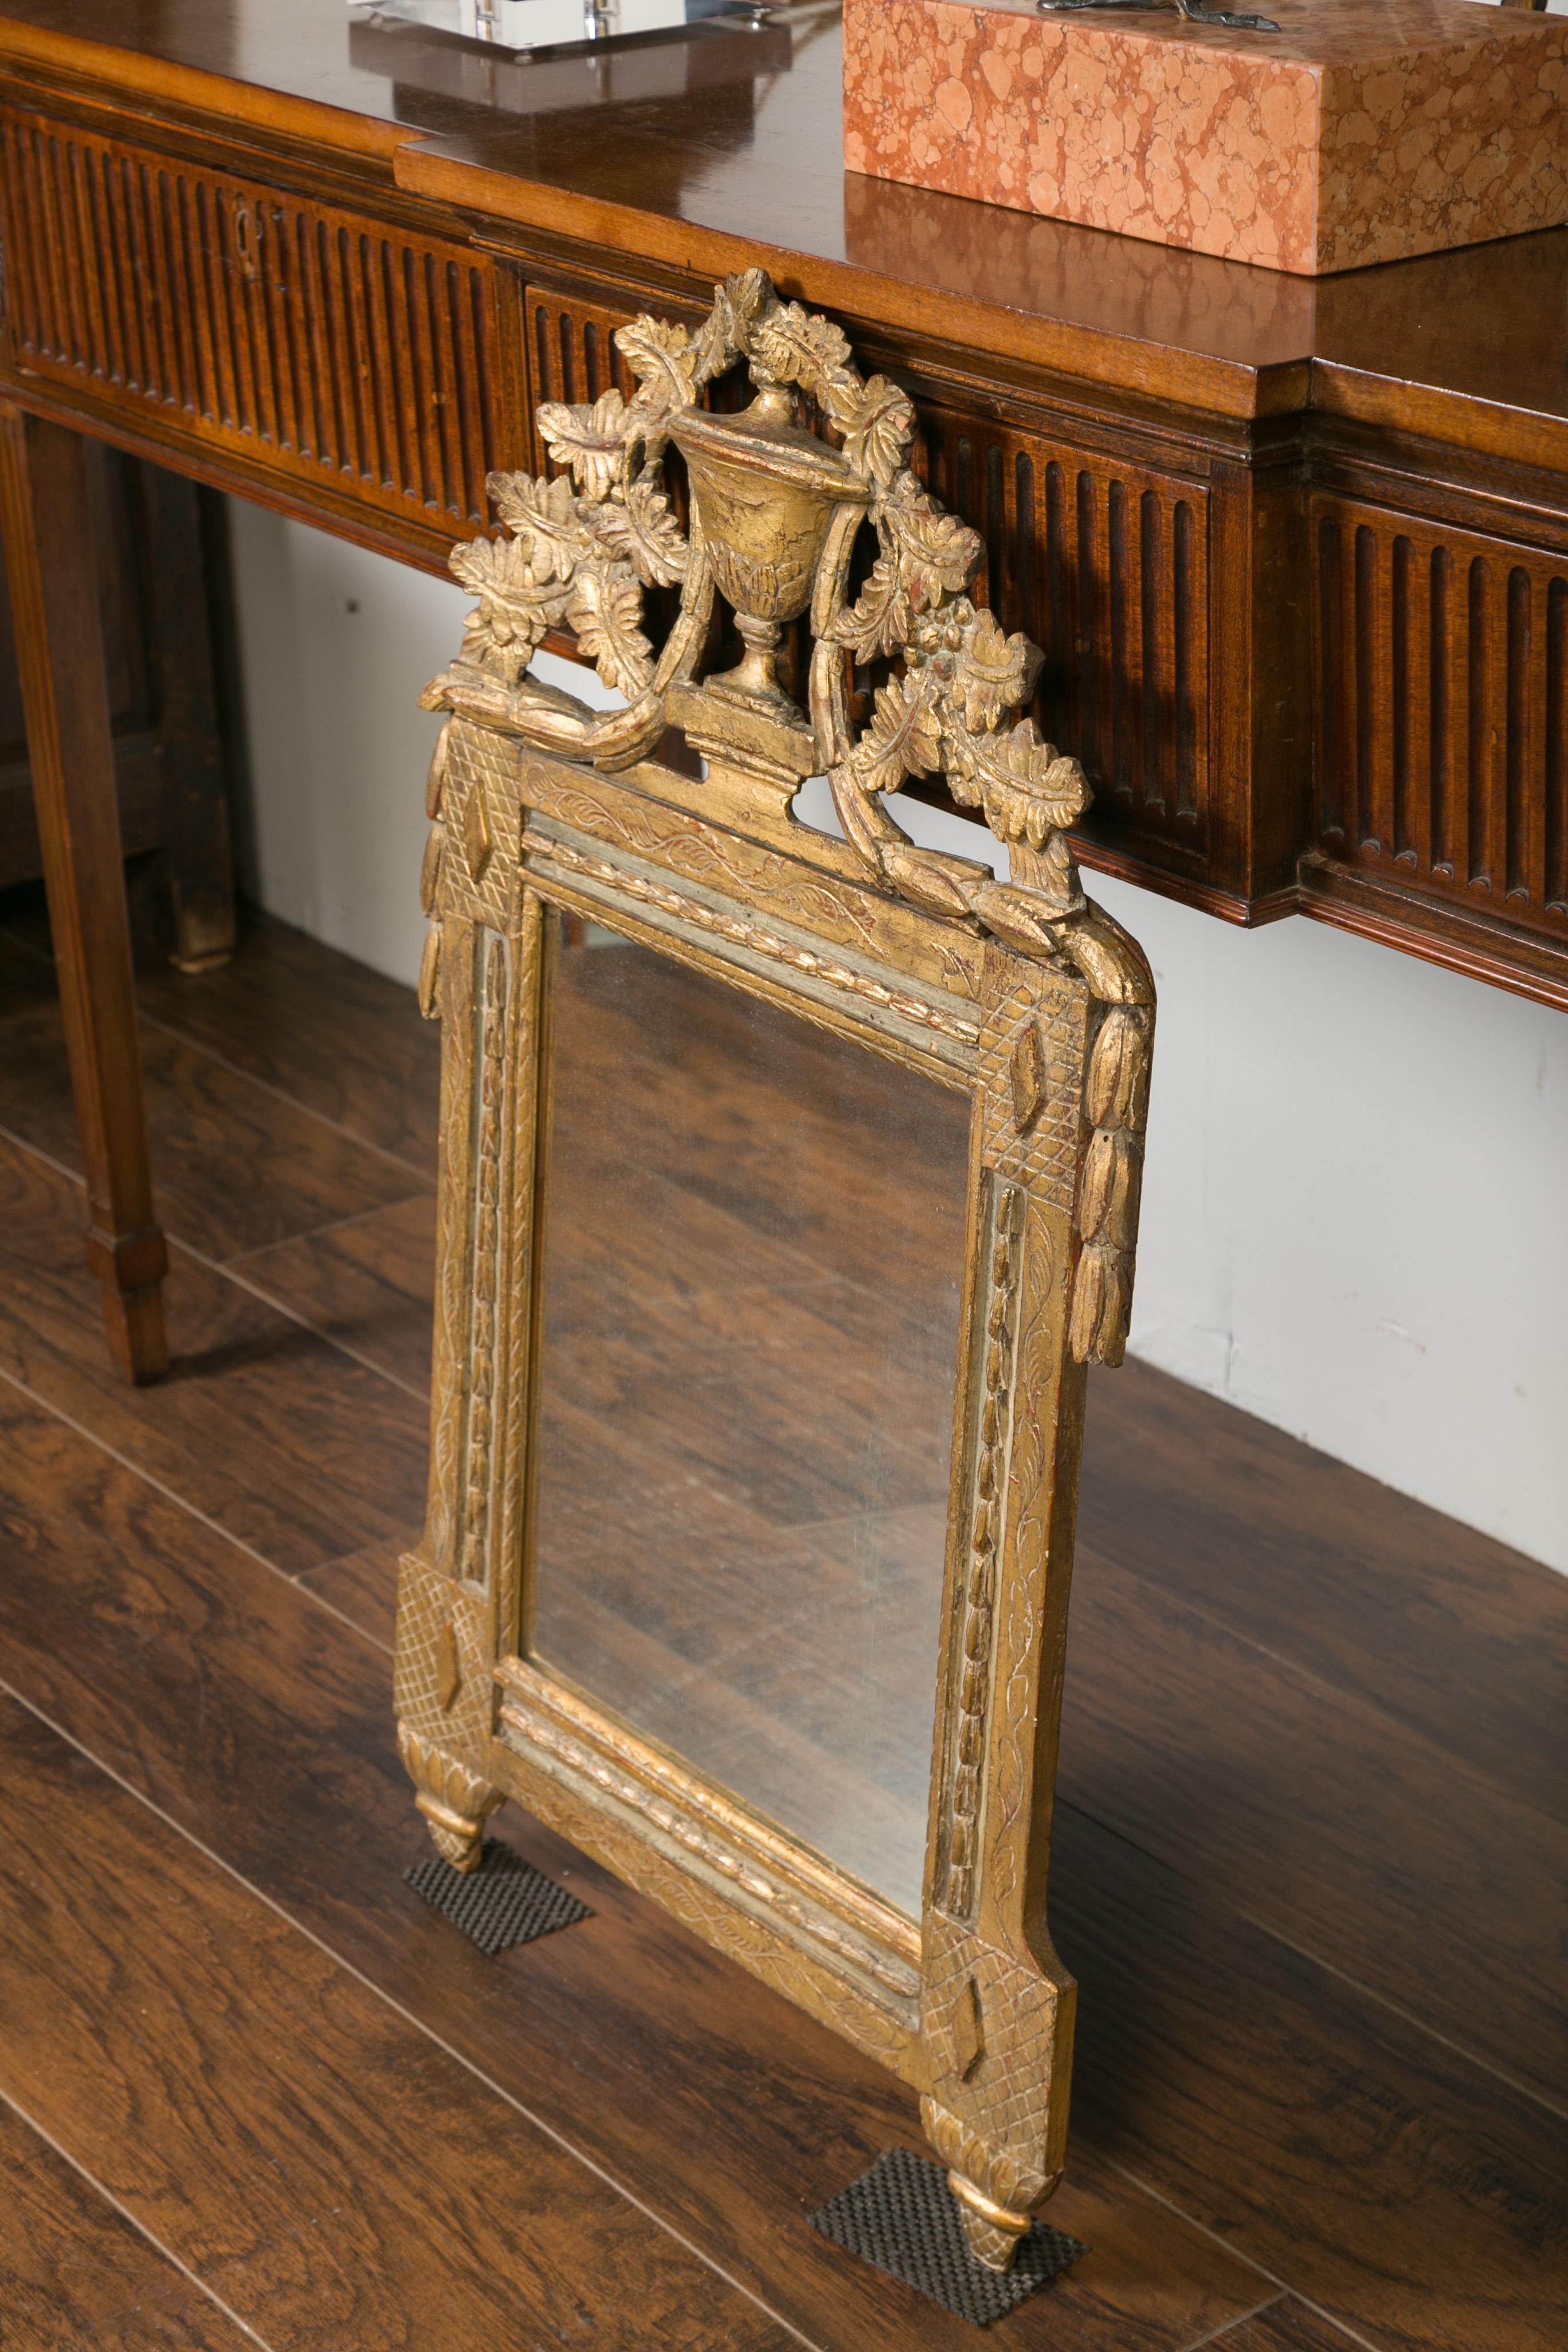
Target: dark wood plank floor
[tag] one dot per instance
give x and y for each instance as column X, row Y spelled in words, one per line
column 1308, row 1869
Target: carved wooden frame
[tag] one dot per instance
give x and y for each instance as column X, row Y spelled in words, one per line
column 1017, row 991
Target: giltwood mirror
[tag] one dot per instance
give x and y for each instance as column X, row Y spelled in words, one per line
column 789, row 1185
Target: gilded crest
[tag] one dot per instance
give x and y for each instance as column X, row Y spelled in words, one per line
column 776, row 511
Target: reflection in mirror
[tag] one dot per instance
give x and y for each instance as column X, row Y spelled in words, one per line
column 753, row 1251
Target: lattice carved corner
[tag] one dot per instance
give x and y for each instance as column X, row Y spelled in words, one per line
column 442, row 1697
column 993, row 2031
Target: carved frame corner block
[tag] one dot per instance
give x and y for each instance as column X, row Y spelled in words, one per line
column 1015, row 989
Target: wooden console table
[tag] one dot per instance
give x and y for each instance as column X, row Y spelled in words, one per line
column 1297, row 552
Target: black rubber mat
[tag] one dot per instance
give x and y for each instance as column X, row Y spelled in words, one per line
column 502, row 1902
column 902, row 2217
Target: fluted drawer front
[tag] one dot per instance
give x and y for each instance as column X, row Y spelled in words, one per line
column 1442, row 681
column 1104, row 564
column 572, row 353
column 284, row 329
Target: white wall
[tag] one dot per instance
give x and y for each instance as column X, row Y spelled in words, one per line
column 335, row 646
column 1354, row 1215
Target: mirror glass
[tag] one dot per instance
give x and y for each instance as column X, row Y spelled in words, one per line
column 752, row 1262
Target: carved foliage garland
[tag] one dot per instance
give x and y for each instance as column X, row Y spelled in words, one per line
column 585, row 546
column 582, row 548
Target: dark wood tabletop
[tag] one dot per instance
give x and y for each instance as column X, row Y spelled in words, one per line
column 726, row 147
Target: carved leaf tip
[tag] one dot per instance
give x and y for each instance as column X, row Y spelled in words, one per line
column 543, row 518
column 799, row 346
column 937, row 555
column 662, row 356
column 592, row 441
column 904, row 738
column 515, row 607
column 993, row 672
column 1097, row 1325
column 1116, row 1092
column 878, row 621
column 606, row 609
column 878, row 428
column 640, row 528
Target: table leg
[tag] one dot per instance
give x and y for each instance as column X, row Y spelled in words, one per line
column 197, row 855
column 60, row 653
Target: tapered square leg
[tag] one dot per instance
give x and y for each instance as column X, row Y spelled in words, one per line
column 197, row 854
column 60, row 653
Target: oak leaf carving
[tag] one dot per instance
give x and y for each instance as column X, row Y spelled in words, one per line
column 1026, row 788
column 606, row 609
column 662, row 356
column 993, row 672
column 592, row 441
column 878, row 430
column 904, row 737
column 544, row 515
column 793, row 345
column 640, row 531
column 515, row 607
column 938, row 555
column 879, row 620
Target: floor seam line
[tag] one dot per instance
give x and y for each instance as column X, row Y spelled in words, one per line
column 1287, row 2292
column 301, row 1578
column 280, row 1094
column 1485, row 1781
column 1544, row 2100
column 61, row 1167
column 1534, row 2097
column 1282, row 2286
column 1228, row 2326
column 538, row 2123
column 319, row 1600
column 183, row 1503
column 330, row 1226
column 1331, row 2319
column 219, row 1266
column 165, row 2253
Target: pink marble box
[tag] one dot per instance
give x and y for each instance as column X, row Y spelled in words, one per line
column 1363, row 130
